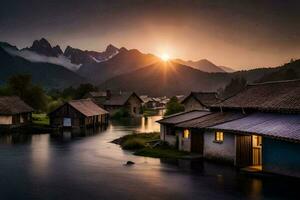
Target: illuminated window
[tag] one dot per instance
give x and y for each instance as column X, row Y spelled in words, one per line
column 219, row 136
column 186, row 133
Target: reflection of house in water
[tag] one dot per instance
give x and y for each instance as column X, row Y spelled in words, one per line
column 149, row 125
column 257, row 128
column 78, row 114
column 14, row 112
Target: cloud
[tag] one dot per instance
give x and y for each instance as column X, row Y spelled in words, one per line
column 35, row 57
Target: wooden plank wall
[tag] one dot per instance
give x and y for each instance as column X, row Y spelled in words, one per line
column 243, row 150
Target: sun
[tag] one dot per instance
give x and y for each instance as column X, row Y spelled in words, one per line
column 165, row 57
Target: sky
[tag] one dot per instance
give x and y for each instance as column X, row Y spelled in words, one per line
column 239, row 34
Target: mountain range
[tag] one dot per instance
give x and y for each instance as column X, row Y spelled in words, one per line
column 204, row 65
column 125, row 69
column 46, row 74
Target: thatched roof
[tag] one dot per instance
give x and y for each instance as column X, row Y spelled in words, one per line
column 281, row 96
column 87, row 107
column 10, row 105
column 204, row 98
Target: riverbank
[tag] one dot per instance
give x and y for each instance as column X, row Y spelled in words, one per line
column 149, row 145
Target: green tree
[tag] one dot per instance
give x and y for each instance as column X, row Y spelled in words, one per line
column 34, row 95
column 173, row 106
column 36, row 98
column 19, row 84
column 83, row 89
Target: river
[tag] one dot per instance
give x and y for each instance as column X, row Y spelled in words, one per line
column 88, row 166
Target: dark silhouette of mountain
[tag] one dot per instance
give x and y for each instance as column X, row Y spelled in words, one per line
column 288, row 71
column 109, row 52
column 227, row 69
column 125, row 61
column 43, row 47
column 78, row 56
column 7, row 45
column 167, row 78
column 172, row 78
column 45, row 74
column 203, row 65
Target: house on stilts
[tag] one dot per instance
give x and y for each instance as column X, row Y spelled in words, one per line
column 257, row 128
column 14, row 112
column 116, row 101
column 82, row 113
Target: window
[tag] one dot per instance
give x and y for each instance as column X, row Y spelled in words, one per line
column 170, row 131
column 186, row 133
column 219, row 136
column 134, row 109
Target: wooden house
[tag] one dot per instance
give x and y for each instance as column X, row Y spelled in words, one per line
column 258, row 128
column 14, row 112
column 78, row 114
column 268, row 135
column 199, row 100
column 113, row 102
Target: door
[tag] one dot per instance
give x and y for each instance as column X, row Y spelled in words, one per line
column 197, row 142
column 243, row 150
column 257, row 150
column 67, row 122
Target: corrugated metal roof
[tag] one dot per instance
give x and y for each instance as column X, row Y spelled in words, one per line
column 13, row 105
column 275, row 125
column 211, row 120
column 182, row 117
column 87, row 107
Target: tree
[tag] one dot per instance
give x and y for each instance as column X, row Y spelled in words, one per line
column 235, row 85
column 36, row 98
column 83, row 89
column 173, row 106
column 19, row 84
column 34, row 95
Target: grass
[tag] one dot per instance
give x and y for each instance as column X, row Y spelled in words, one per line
column 141, row 144
column 40, row 119
column 161, row 152
column 136, row 141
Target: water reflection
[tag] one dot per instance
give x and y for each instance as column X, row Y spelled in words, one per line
column 85, row 164
column 148, row 124
column 40, row 154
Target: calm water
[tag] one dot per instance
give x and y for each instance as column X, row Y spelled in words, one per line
column 88, row 166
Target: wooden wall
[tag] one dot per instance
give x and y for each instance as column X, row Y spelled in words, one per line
column 77, row 119
column 192, row 104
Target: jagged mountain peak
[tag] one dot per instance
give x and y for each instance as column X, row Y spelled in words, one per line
column 42, row 42
column 123, row 49
column 111, row 48
column 58, row 49
column 43, row 47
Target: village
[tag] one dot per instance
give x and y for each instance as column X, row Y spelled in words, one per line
column 256, row 130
